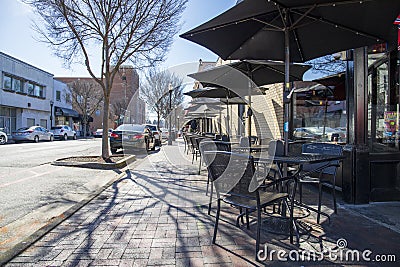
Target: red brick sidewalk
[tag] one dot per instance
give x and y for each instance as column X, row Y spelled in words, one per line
column 157, row 215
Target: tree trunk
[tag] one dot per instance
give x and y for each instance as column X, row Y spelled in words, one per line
column 105, row 151
column 84, row 129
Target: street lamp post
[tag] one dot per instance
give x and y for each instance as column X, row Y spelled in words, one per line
column 51, row 113
column 170, row 117
column 178, row 126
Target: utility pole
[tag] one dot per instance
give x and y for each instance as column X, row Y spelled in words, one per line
column 170, row 117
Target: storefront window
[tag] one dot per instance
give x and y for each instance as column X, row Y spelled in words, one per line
column 8, row 119
column 319, row 114
column 383, row 107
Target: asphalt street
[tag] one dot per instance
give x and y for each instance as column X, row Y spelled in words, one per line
column 28, row 181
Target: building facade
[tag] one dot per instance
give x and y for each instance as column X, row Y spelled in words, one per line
column 61, row 106
column 25, row 96
column 126, row 106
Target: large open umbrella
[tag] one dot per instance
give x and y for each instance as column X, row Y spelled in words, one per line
column 296, row 31
column 260, row 72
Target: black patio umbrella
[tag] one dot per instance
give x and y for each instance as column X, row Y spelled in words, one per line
column 296, row 31
column 260, row 72
column 211, row 92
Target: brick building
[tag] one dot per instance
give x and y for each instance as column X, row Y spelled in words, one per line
column 126, row 106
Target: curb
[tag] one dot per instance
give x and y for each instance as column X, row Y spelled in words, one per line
column 55, row 221
column 95, row 165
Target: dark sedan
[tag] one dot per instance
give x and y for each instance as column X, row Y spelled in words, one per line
column 132, row 136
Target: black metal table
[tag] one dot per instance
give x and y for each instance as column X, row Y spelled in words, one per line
column 277, row 224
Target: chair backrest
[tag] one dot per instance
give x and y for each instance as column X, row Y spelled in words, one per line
column 247, row 140
column 276, row 148
column 186, row 139
column 323, row 149
column 225, row 138
column 230, row 172
column 193, row 141
column 212, row 145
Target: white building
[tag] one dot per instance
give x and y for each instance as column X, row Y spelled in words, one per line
column 63, row 113
column 25, row 94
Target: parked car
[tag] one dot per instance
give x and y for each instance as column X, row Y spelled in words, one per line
column 33, row 133
column 63, row 132
column 156, row 132
column 164, row 133
column 317, row 133
column 133, row 136
column 3, row 137
column 99, row 133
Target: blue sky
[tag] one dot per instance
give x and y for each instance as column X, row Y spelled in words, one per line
column 17, row 37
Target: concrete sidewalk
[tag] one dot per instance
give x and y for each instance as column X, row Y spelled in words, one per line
column 156, row 215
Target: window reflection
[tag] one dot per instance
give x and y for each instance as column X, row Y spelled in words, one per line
column 383, row 108
column 320, row 111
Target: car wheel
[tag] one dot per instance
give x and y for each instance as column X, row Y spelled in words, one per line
column 74, row 136
column 51, row 138
column 36, row 139
column 65, row 137
column 2, row 139
column 113, row 150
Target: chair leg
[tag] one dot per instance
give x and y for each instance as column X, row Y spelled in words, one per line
column 240, row 217
column 211, row 195
column 216, row 221
column 200, row 165
column 301, row 192
column 334, row 195
column 247, row 219
column 192, row 157
column 208, row 184
column 258, row 232
column 319, row 201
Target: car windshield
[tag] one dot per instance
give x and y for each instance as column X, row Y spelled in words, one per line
column 133, row 128
column 56, row 127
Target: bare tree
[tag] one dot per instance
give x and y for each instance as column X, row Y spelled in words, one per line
column 328, row 65
column 87, row 98
column 116, row 31
column 155, row 91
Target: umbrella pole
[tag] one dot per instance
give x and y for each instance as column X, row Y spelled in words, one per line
column 287, row 90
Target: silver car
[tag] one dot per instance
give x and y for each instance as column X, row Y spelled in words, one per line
column 63, row 132
column 3, row 137
column 33, row 133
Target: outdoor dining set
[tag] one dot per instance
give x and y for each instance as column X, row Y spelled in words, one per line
column 252, row 180
column 264, row 42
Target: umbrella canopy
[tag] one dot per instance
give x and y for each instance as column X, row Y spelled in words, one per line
column 220, row 92
column 261, row 72
column 218, row 101
column 203, row 108
column 255, row 29
column 211, row 92
column 296, row 31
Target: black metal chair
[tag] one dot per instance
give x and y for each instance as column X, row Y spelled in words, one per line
column 212, row 145
column 323, row 174
column 188, row 144
column 233, row 178
column 194, row 147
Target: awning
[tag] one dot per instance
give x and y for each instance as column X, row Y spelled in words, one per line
column 67, row 112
